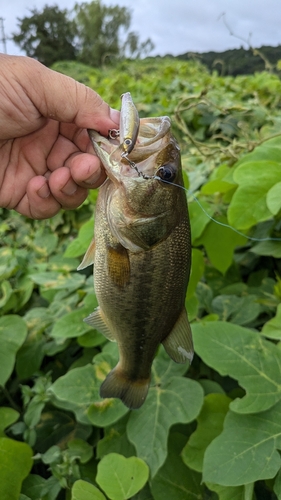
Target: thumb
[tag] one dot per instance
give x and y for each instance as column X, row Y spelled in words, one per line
column 64, row 99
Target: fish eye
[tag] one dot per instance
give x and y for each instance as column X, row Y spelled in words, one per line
column 128, row 142
column 166, row 173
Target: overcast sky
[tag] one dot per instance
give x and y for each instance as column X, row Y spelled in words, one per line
column 177, row 26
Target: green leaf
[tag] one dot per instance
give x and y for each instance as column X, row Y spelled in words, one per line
column 72, row 325
column 15, row 464
column 33, row 486
column 13, row 331
column 271, row 248
column 277, row 485
column 115, row 440
column 198, row 218
column 79, row 246
column 273, row 198
column 7, row 417
column 242, row 354
column 78, row 391
column 220, row 243
column 246, row 451
column 177, row 400
column 239, row 310
column 174, row 481
column 78, row 448
column 82, row 490
column 209, row 425
column 57, row 281
column 272, row 329
column 228, row 492
column 249, row 203
column 197, row 270
column 121, row 477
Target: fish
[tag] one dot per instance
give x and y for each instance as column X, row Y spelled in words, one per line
column 141, row 252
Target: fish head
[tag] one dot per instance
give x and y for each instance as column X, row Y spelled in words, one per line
column 143, row 195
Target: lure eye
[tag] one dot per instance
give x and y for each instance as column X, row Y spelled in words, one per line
column 166, row 173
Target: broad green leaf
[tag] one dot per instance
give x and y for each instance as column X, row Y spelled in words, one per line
column 78, row 448
column 78, row 391
column 177, row 400
column 272, row 328
column 197, row 270
column 244, row 355
column 79, row 246
column 271, row 248
column 229, row 492
column 268, row 151
column 121, row 477
column 82, row 490
column 217, row 186
column 249, row 203
column 258, row 173
column 239, row 310
column 6, row 293
column 209, row 425
column 174, row 481
column 115, row 440
column 13, row 331
column 72, row 325
column 220, row 242
column 246, row 451
column 273, row 198
column 15, row 464
column 7, row 417
column 277, row 485
column 33, row 486
column 57, row 280
column 199, row 212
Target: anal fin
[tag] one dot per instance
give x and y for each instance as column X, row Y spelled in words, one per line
column 97, row 321
column 89, row 256
column 178, row 343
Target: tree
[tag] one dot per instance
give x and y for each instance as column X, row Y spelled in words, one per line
column 99, row 29
column 101, row 34
column 134, row 48
column 47, row 36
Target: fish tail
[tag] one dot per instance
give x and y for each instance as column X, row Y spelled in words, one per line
column 118, row 385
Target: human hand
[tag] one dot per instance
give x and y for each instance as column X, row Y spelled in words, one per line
column 46, row 159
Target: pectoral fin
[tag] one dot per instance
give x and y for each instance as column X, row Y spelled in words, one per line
column 89, row 256
column 118, row 265
column 179, row 343
column 96, row 320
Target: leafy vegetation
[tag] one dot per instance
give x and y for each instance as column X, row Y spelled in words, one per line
column 213, row 432
column 91, row 33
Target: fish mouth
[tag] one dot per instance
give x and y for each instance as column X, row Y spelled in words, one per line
column 153, row 136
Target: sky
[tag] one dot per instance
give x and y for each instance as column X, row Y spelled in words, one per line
column 177, row 26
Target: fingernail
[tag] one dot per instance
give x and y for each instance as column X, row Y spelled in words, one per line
column 93, row 178
column 70, row 188
column 114, row 115
column 44, row 191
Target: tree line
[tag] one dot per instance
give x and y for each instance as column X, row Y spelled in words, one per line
column 91, row 33
column 239, row 61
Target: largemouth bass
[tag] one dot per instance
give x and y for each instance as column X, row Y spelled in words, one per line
column 141, row 252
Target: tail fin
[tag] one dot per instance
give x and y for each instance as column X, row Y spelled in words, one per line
column 131, row 392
